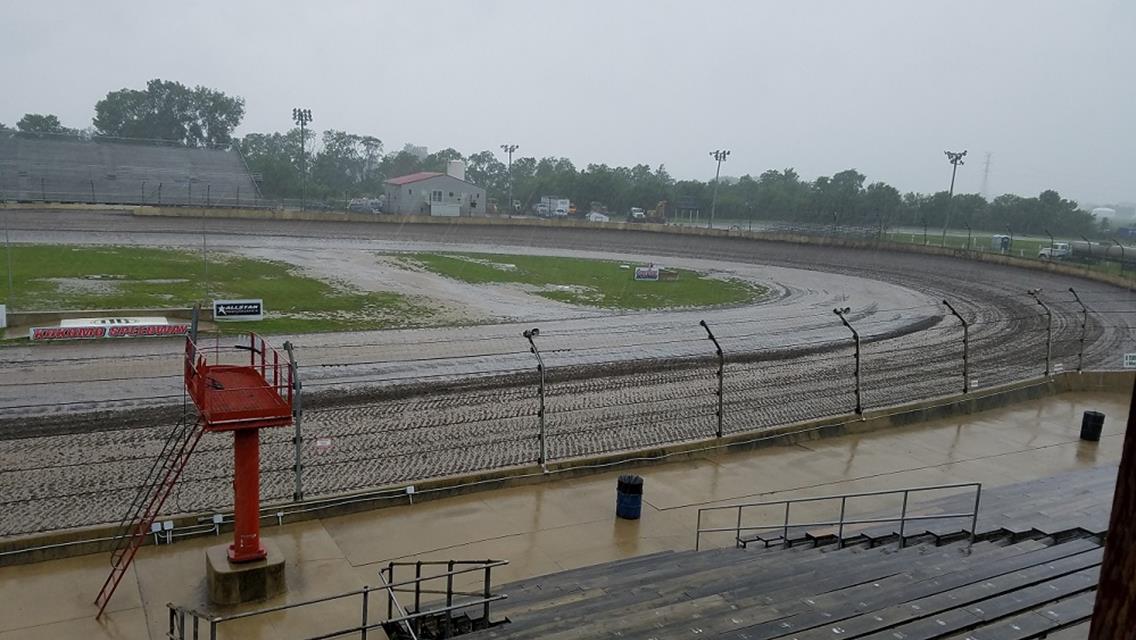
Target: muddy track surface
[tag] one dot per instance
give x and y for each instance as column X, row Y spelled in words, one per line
column 401, row 406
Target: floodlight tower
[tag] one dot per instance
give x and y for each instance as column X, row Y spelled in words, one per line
column 302, row 117
column 955, row 158
column 509, row 149
column 720, row 156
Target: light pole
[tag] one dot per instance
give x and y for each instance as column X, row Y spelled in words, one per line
column 1035, row 294
column 1084, row 330
column 965, row 346
column 509, row 149
column 955, row 158
column 841, row 313
column 529, row 334
column 302, row 117
column 720, row 156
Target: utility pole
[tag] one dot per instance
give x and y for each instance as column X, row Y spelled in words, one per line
column 720, row 156
column 955, row 158
column 509, row 149
column 302, row 117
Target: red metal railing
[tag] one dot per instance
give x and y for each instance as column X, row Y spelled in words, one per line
column 217, row 378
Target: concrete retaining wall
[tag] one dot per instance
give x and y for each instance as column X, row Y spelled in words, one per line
column 48, row 318
column 57, row 544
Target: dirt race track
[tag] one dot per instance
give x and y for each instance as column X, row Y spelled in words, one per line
column 82, row 422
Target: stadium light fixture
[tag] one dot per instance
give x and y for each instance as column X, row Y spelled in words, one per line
column 720, row 156
column 302, row 117
column 955, row 158
column 509, row 149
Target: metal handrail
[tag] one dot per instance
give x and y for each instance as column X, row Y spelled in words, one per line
column 199, row 621
column 272, row 365
column 842, row 521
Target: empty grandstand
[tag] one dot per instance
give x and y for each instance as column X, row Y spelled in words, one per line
column 38, row 168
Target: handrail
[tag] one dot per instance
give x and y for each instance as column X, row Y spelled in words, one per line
column 273, row 367
column 178, row 630
column 842, row 521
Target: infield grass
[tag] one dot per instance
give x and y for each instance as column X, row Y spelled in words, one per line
column 593, row 283
column 52, row 277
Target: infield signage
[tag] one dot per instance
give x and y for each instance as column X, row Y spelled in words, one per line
column 1130, row 361
column 647, row 273
column 234, row 310
column 98, row 332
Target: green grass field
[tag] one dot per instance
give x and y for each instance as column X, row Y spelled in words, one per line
column 594, row 283
column 47, row 277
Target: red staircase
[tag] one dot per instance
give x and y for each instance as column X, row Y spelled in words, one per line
column 148, row 502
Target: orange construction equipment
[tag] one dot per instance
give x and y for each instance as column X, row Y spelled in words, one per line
column 243, row 399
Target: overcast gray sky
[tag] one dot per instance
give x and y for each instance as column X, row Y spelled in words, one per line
column 1047, row 87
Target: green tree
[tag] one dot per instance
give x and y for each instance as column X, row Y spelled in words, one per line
column 168, row 110
column 881, row 205
column 40, row 123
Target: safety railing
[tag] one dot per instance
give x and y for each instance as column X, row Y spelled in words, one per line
column 740, row 528
column 273, row 366
column 189, row 624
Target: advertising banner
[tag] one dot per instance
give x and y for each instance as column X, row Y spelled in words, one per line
column 97, row 332
column 233, row 310
column 647, row 273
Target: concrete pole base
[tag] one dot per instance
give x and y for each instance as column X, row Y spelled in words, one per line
column 231, row 583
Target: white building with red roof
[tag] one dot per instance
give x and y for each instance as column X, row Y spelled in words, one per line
column 436, row 194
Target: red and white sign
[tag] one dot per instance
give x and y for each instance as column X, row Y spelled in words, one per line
column 96, row 332
column 323, row 445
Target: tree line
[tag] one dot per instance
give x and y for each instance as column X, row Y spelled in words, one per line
column 337, row 165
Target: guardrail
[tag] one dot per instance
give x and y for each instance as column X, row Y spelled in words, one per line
column 189, row 624
column 842, row 521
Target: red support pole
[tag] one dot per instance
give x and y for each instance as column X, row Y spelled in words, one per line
column 246, row 497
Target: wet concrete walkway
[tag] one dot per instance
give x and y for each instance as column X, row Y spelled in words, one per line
column 559, row 525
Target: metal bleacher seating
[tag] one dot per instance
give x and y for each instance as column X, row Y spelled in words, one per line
column 1031, row 573
column 37, row 168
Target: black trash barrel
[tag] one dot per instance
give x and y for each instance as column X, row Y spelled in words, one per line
column 629, row 497
column 1091, row 425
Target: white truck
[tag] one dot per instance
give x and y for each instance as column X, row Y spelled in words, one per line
column 554, row 206
column 1056, row 251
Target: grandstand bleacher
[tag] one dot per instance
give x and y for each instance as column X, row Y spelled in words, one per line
column 70, row 169
column 1031, row 574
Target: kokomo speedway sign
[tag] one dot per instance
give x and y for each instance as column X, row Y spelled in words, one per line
column 238, row 309
column 96, row 332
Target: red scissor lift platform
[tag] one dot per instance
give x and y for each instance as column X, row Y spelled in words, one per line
column 242, row 389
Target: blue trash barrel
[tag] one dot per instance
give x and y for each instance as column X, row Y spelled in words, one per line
column 1091, row 425
column 629, row 497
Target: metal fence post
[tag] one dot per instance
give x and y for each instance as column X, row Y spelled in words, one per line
column 840, row 313
column 159, row 194
column 208, row 195
column 721, row 371
column 903, row 521
column 965, row 347
column 43, row 194
column 297, row 418
column 1048, row 329
column 366, row 593
column 529, row 334
column 1084, row 330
